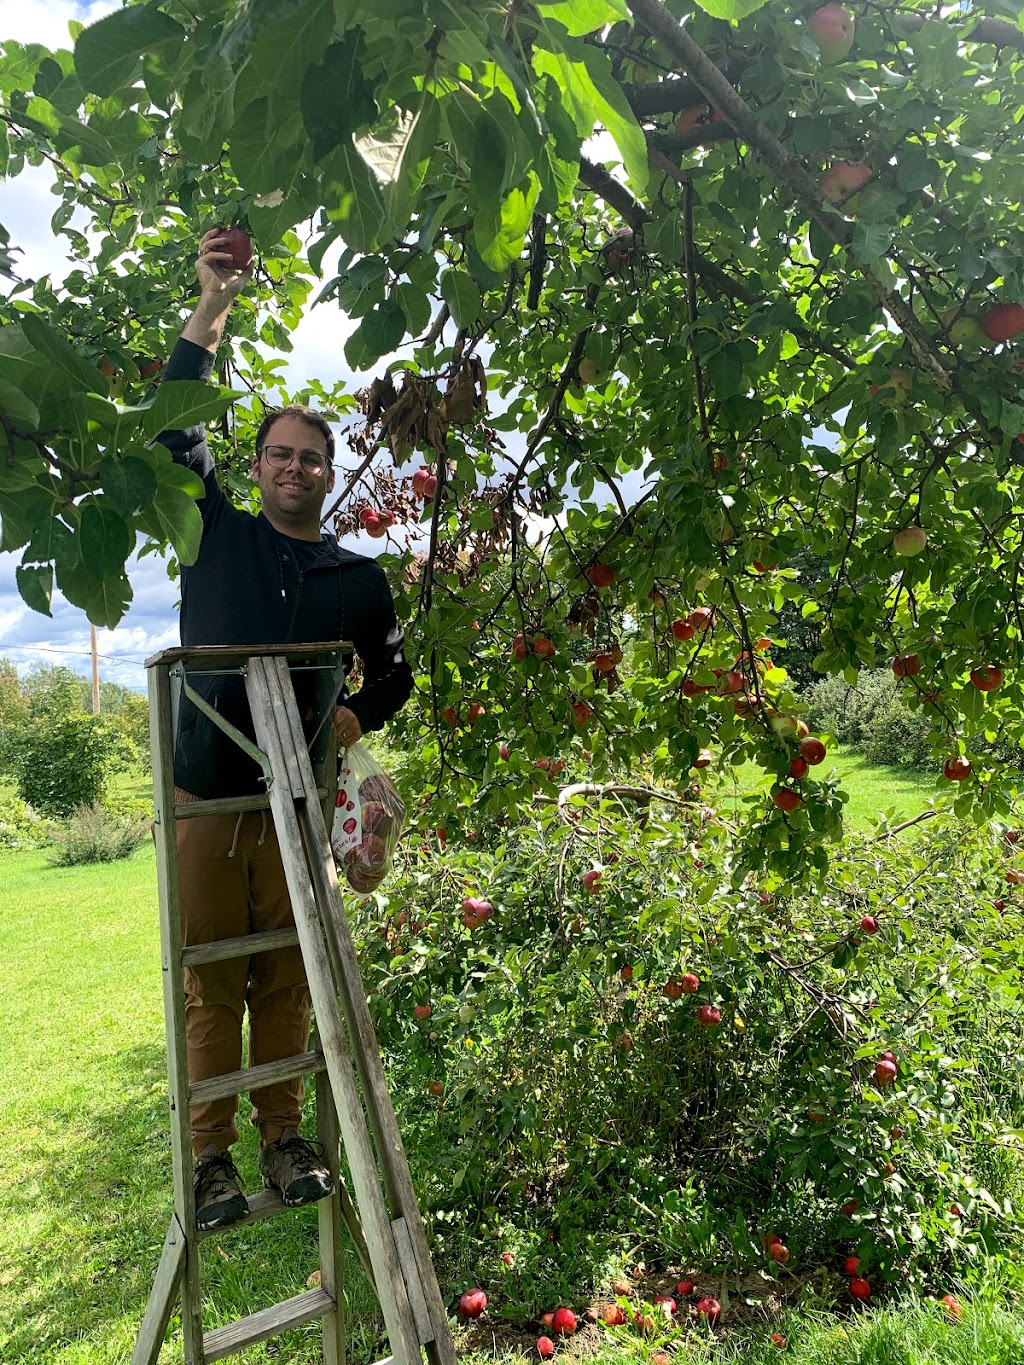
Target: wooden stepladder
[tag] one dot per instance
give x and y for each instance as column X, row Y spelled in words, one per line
column 353, row 1106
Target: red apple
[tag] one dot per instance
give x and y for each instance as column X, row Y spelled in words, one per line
column 592, row 880
column 564, row 1321
column 421, row 1011
column 1015, row 877
column 779, row 1340
column 239, row 244
column 987, row 679
column 709, row 1016
column 666, row 1303
column 860, row 1289
column 684, row 1288
column 709, row 1308
column 428, row 487
column 869, row 924
column 149, row 368
column 545, row 1347
column 851, row 1265
column 779, row 1253
column 953, row 1305
column 841, row 179
column 543, row 647
column 601, row 575
column 786, row 799
column 998, row 905
column 519, row 648
column 812, row 751
column 956, row 769
column 885, row 1071
column 832, row 29
column 910, row 541
column 683, row 630
column 472, row 1303
column 703, row 759
column 474, row 711
column 504, row 752
column 435, row 1088
column 418, row 480
column 906, row 667
column 690, row 983
column 673, row 988
column 580, row 713
column 614, row 1316
column 626, row 972
column 701, row 618
column 546, row 1319
column 373, row 526
column 1003, row 322
column 798, row 768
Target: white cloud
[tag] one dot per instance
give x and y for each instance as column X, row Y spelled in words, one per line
column 46, row 21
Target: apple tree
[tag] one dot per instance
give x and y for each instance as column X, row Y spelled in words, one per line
column 661, row 303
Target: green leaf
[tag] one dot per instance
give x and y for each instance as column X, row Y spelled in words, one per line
column 335, row 98
column 500, row 240
column 128, row 484
column 584, row 16
column 725, row 370
column 53, row 542
column 731, row 9
column 108, row 52
column 871, row 241
column 182, row 403
column 21, row 514
column 17, row 405
column 53, row 346
column 35, row 583
column 105, row 539
column 261, row 158
column 358, row 202
column 175, row 518
column 104, row 600
column 462, row 297
column 379, row 333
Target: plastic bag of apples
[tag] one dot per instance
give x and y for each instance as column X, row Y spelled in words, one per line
column 369, row 816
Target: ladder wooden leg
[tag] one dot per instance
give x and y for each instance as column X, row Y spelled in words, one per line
column 161, row 1297
column 330, row 1223
column 270, row 701
column 428, row 1306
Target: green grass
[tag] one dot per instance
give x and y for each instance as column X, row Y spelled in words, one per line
column 86, row 1192
column 872, row 790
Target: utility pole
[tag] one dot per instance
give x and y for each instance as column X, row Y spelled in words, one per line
column 95, row 675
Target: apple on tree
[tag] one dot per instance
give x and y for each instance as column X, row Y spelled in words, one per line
column 987, row 679
column 601, row 575
column 910, row 541
column 239, row 244
column 957, row 769
column 841, row 181
column 1003, row 322
column 832, row 30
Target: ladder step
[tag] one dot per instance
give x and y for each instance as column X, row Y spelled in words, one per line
column 255, row 1077
column 265, row 1204
column 306, row 1307
column 227, row 805
column 223, row 948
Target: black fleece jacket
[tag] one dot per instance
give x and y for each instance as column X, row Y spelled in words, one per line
column 252, row 585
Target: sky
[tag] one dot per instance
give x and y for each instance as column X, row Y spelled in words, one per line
column 151, row 623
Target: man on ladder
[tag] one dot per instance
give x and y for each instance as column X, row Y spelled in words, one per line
column 274, row 578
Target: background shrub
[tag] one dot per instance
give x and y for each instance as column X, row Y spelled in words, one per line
column 66, row 759
column 20, row 826
column 871, row 717
column 93, row 834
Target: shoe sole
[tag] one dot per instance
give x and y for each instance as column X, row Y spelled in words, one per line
column 311, row 1196
column 220, row 1215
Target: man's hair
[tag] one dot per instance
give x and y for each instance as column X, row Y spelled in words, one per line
column 313, row 419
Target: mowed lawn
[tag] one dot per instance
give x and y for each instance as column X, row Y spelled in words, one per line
column 872, row 791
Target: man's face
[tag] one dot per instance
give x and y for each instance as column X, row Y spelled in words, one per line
column 293, row 497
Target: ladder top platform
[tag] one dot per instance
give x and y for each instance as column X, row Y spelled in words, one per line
column 232, row 656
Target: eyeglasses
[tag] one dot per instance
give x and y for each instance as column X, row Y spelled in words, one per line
column 312, row 461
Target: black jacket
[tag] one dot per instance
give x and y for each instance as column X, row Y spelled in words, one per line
column 253, row 585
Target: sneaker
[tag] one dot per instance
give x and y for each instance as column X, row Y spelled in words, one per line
column 219, row 1200
column 295, row 1168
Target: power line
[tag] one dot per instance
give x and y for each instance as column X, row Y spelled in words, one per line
column 124, row 659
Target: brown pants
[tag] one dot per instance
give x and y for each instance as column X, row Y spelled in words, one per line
column 232, row 883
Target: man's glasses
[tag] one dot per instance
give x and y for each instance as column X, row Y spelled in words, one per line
column 312, row 461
